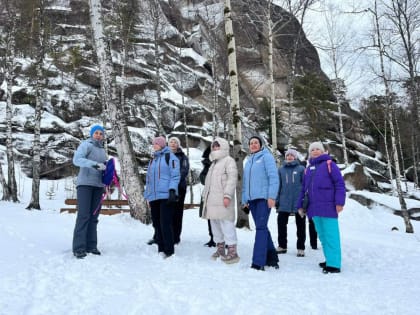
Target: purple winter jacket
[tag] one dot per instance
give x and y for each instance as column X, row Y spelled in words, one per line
column 325, row 190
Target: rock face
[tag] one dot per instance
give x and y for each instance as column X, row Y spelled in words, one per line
column 192, row 65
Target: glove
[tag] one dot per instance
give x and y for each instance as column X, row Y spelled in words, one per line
column 245, row 209
column 173, row 198
column 100, row 167
column 302, row 212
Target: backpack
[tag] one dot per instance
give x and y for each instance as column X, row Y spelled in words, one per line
column 109, row 178
column 109, row 174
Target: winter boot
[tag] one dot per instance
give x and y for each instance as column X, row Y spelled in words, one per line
column 300, row 253
column 232, row 255
column 220, row 251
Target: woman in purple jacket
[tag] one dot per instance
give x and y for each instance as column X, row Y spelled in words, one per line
column 326, row 192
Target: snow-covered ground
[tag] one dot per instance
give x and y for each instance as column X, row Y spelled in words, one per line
column 39, row 275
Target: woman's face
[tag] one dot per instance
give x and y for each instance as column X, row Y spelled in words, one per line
column 254, row 145
column 215, row 146
column 173, row 145
column 157, row 147
column 315, row 152
column 98, row 135
column 290, row 158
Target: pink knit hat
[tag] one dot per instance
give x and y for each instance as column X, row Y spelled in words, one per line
column 160, row 141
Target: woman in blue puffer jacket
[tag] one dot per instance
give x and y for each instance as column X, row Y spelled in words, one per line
column 259, row 191
column 325, row 188
column 161, row 193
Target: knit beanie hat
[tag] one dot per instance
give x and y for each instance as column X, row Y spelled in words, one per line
column 95, row 128
column 160, row 141
column 176, row 140
column 316, row 145
column 258, row 138
column 291, row 152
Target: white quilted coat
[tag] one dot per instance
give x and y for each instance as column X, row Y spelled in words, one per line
column 220, row 183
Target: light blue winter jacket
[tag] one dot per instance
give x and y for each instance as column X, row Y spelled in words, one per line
column 89, row 153
column 261, row 179
column 162, row 176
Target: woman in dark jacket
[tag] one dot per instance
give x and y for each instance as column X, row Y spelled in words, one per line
column 184, row 167
column 326, row 194
column 290, row 177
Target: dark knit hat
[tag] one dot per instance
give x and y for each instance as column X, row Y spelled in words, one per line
column 160, row 141
column 258, row 138
column 95, row 128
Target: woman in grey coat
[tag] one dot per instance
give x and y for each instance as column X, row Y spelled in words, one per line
column 91, row 157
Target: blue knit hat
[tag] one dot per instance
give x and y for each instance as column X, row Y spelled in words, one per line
column 95, row 128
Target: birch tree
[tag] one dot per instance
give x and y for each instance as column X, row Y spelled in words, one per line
column 242, row 220
column 39, row 21
column 8, row 64
column 380, row 47
column 129, row 169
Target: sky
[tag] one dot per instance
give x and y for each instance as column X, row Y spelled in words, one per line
column 39, row 274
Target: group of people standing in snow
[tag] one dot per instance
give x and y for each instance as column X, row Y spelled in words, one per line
column 317, row 191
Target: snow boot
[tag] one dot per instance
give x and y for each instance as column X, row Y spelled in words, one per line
column 220, row 251
column 328, row 269
column 300, row 253
column 323, row 264
column 232, row 255
column 281, row 250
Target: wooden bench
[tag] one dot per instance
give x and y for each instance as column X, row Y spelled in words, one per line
column 113, row 206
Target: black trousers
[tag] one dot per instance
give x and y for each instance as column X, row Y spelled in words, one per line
column 282, row 220
column 313, row 235
column 162, row 216
column 178, row 215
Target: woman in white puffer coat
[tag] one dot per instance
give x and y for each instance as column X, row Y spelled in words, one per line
column 219, row 200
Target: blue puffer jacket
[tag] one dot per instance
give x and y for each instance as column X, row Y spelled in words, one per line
column 162, row 177
column 325, row 190
column 291, row 177
column 89, row 153
column 261, row 179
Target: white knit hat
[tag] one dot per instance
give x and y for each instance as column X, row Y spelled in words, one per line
column 176, row 140
column 291, row 152
column 316, row 145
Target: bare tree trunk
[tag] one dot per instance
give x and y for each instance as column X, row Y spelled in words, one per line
column 36, row 150
column 413, row 150
column 11, row 190
column 243, row 220
column 6, row 192
column 129, row 169
column 404, row 212
column 272, row 83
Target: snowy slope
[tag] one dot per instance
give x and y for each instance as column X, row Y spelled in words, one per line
column 39, row 274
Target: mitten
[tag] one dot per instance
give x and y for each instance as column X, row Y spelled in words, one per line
column 100, row 166
column 173, row 198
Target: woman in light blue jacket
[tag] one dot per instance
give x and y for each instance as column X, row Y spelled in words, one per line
column 162, row 179
column 90, row 156
column 259, row 192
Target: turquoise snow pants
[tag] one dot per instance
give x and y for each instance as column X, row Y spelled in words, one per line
column 329, row 235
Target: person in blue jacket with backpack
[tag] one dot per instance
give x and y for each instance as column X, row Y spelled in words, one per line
column 290, row 177
column 326, row 193
column 91, row 157
column 161, row 193
column 259, row 192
